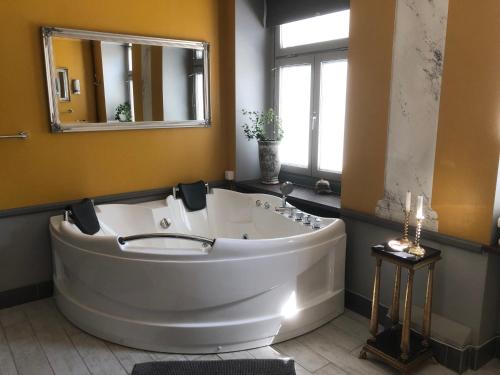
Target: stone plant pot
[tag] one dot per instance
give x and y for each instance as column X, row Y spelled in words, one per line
column 269, row 162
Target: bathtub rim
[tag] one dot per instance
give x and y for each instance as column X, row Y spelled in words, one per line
column 109, row 245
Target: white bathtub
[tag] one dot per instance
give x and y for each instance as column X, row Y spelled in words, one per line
column 177, row 295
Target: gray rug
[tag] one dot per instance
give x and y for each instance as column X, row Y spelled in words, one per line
column 230, row 367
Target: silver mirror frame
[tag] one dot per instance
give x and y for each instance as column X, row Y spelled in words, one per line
column 55, row 123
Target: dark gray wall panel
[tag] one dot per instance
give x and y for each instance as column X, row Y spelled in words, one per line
column 462, row 292
column 25, row 256
column 252, row 81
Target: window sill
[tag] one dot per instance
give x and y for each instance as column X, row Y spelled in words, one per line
column 304, row 198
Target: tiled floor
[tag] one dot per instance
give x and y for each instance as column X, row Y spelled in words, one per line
column 36, row 339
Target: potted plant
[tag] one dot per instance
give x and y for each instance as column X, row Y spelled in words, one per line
column 266, row 128
column 123, row 112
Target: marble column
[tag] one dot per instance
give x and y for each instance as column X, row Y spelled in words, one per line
column 417, row 62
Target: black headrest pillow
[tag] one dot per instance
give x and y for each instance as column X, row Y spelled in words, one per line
column 84, row 216
column 194, row 195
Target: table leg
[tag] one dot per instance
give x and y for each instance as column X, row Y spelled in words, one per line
column 394, row 313
column 426, row 325
column 405, row 334
column 375, row 301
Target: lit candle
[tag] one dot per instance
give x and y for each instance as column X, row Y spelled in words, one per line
column 408, row 201
column 420, row 207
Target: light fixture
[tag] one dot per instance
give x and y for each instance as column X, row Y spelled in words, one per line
column 75, row 86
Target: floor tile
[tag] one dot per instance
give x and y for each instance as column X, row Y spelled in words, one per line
column 12, row 315
column 128, row 357
column 7, row 365
column 266, row 352
column 98, row 358
column 26, row 350
column 330, row 369
column 38, row 339
column 61, row 354
column 236, row 355
column 167, row 357
column 303, row 355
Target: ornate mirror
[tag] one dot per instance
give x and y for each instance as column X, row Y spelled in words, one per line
column 101, row 81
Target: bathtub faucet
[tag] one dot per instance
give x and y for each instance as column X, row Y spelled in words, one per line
column 286, row 189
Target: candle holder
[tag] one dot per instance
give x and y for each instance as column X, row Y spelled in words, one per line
column 416, row 249
column 403, row 243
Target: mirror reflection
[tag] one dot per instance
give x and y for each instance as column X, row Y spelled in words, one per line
column 115, row 82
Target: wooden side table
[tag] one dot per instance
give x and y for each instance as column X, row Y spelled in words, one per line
column 398, row 346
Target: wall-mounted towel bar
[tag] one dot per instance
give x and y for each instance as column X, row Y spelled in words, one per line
column 20, row 135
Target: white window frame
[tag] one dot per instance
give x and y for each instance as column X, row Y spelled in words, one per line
column 313, row 54
column 330, row 45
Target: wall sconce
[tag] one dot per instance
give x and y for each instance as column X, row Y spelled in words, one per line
column 75, row 86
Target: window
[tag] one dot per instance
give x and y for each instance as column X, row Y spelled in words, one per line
column 331, row 26
column 294, row 106
column 310, row 93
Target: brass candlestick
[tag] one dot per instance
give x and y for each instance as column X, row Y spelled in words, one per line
column 416, row 249
column 405, row 239
column 403, row 243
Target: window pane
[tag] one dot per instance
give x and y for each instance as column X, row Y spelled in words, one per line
column 294, row 110
column 199, row 103
column 332, row 115
column 316, row 29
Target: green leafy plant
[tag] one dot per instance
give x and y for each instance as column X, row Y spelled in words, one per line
column 125, row 110
column 263, row 126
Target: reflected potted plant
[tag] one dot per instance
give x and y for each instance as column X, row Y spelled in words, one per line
column 267, row 129
column 123, row 112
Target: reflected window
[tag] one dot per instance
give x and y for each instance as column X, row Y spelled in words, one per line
column 130, row 79
column 198, row 85
column 199, row 99
column 62, row 84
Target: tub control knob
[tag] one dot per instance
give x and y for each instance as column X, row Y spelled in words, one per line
column 165, row 223
column 307, row 219
column 258, row 203
column 317, row 223
column 267, row 205
column 299, row 216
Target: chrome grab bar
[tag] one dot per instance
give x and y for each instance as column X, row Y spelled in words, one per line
column 205, row 240
column 21, row 135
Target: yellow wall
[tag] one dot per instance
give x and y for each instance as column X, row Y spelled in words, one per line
column 57, row 167
column 468, row 143
column 228, row 99
column 367, row 112
column 76, row 56
column 468, row 131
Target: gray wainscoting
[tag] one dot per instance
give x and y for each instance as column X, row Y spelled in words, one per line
column 466, row 285
column 25, row 253
column 466, row 289
column 253, row 54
